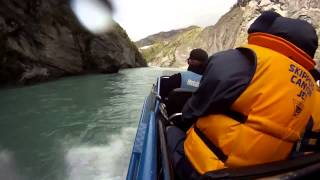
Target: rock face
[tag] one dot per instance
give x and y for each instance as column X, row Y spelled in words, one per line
column 231, row 30
column 308, row 10
column 41, row 40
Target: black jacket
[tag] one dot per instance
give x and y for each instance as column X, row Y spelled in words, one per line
column 225, row 78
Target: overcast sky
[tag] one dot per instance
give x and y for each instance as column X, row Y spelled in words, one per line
column 141, row 18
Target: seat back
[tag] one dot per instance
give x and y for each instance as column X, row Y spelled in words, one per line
column 163, row 80
column 309, row 143
column 176, row 100
column 298, row 168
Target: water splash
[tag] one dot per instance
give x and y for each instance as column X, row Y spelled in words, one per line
column 8, row 168
column 101, row 162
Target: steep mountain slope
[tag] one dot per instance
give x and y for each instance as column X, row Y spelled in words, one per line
column 41, row 40
column 162, row 36
column 231, row 30
column 171, row 53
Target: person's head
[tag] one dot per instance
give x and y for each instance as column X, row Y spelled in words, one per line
column 198, row 59
column 297, row 33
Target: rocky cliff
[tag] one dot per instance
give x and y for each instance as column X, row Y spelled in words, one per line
column 41, row 40
column 231, row 30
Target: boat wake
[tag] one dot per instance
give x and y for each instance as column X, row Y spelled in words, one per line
column 101, row 162
column 8, row 167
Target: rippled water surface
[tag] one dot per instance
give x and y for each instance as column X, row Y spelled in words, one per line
column 78, row 128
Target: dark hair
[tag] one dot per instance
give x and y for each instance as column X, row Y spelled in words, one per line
column 201, row 57
column 199, row 54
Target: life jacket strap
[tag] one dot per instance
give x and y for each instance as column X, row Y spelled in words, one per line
column 241, row 118
column 215, row 149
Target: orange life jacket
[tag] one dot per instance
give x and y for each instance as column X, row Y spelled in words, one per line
column 276, row 107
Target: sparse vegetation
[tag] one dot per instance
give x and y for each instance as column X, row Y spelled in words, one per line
column 164, row 53
column 171, row 48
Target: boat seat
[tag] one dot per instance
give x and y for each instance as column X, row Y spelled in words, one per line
column 176, row 100
column 295, row 169
column 309, row 143
column 163, row 81
column 171, row 107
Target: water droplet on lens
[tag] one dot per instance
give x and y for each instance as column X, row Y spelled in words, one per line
column 94, row 15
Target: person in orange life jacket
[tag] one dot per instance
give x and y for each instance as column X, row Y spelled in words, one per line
column 253, row 102
column 189, row 79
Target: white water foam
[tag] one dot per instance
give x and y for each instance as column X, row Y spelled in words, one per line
column 106, row 162
column 8, row 168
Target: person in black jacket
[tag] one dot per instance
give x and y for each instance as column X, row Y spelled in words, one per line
column 189, row 79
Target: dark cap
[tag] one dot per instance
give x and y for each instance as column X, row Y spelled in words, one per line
column 299, row 32
column 199, row 54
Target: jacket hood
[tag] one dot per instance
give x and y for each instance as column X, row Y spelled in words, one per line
column 298, row 32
